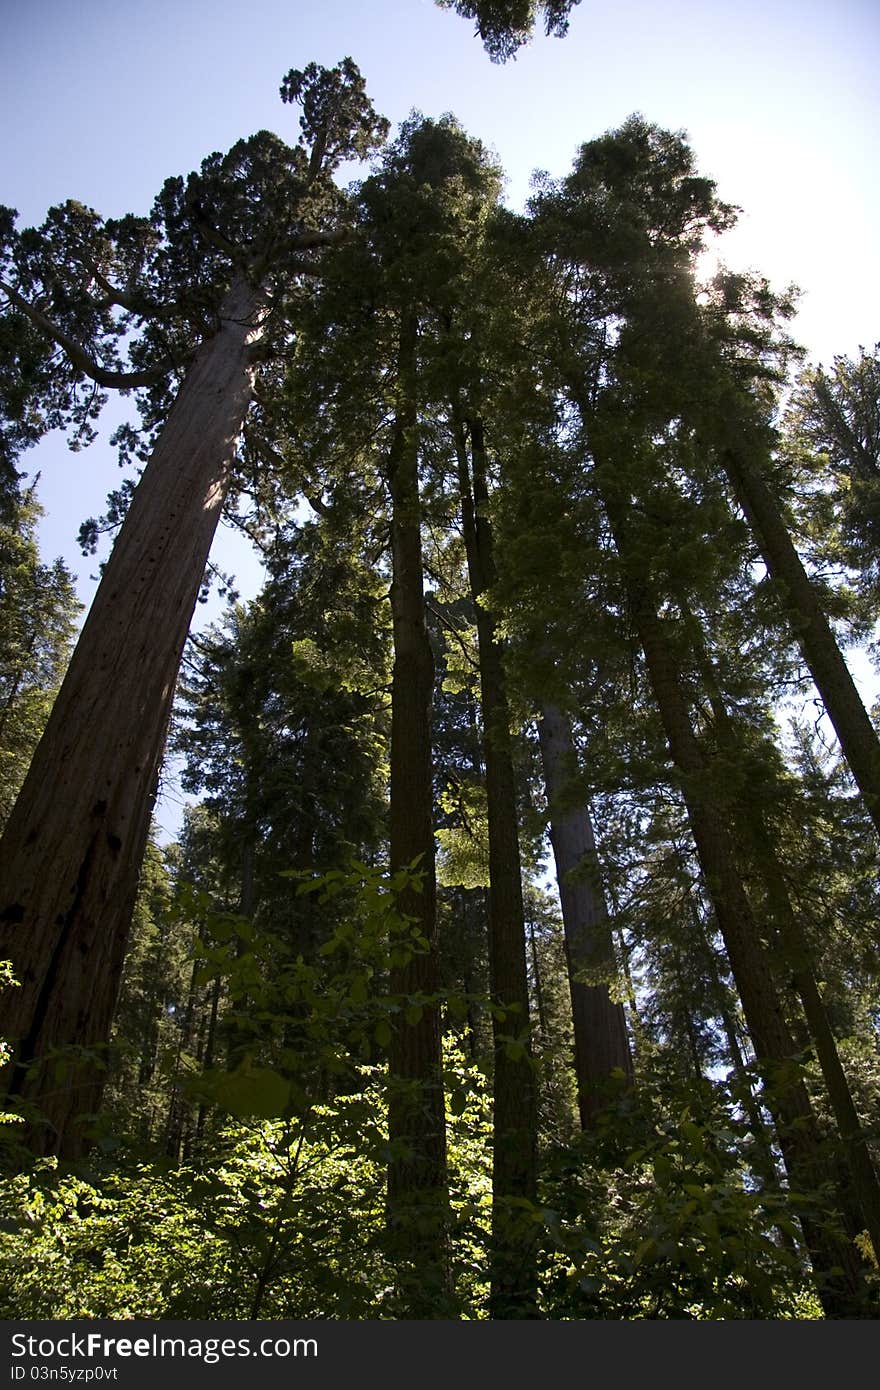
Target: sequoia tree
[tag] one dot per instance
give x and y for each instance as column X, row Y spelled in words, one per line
column 213, row 271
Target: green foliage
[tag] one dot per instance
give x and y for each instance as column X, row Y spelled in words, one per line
column 506, row 25
column 38, row 613
column 654, row 1216
column 285, row 1219
column 464, row 846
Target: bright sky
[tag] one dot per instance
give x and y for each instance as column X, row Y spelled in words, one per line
column 101, row 100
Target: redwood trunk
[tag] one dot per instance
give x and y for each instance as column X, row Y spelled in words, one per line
column 514, row 1156
column 73, row 847
column 417, row 1175
column 601, row 1045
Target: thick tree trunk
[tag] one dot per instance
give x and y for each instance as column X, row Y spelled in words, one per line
column 601, row 1045
column 514, row 1154
column 73, row 847
column 857, row 735
column 418, row 1194
column 834, row 1260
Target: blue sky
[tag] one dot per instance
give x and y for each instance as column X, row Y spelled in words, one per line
column 103, row 99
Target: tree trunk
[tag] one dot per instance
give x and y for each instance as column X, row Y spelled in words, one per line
column 514, row 1153
column 206, row 1060
column 601, row 1045
column 796, row 956
column 857, row 735
column 418, row 1193
column 543, row 1028
column 178, row 1107
column 73, row 847
column 834, row 1260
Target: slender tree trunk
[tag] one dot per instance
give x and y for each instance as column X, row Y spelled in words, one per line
column 237, row 1037
column 207, row 1059
column 72, row 850
column 796, row 956
column 601, row 1045
column 834, row 1260
column 635, row 1023
column 514, row 1153
column 857, row 735
column 763, row 1162
column 417, row 1176
column 177, row 1106
column 539, row 988
column 683, row 1019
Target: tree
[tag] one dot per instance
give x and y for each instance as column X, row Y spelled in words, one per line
column 832, row 427
column 600, row 1037
column 506, row 25
column 514, row 1171
column 38, row 610
column 73, row 846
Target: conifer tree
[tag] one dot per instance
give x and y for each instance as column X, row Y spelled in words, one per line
column 38, row 611
column 216, row 264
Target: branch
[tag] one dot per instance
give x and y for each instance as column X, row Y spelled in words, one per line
column 453, row 631
column 78, row 355
column 298, row 264
column 114, row 295
column 304, row 240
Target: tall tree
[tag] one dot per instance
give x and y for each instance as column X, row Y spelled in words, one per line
column 235, row 239
column 514, row 1170
column 629, row 218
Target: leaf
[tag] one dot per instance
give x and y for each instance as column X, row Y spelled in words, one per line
column 249, row 1091
column 457, row 1102
column 358, row 992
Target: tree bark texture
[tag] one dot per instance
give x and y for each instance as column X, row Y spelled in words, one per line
column 514, row 1152
column 418, row 1194
column 72, row 850
column 601, row 1044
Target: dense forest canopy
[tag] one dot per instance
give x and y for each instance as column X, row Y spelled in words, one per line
column 518, row 957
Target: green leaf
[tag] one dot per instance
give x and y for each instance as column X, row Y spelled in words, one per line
column 358, row 992
column 457, row 1102
column 249, row 1091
